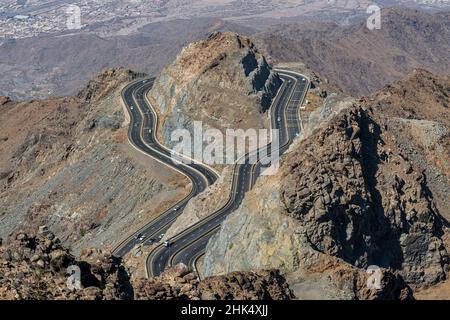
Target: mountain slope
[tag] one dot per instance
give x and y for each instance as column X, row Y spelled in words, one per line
column 36, row 267
column 347, row 197
column 66, row 161
column 359, row 60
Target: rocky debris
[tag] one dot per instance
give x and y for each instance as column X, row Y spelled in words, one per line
column 41, row 139
column 346, row 197
column 331, row 279
column 36, row 267
column 416, row 114
column 261, row 285
column 179, row 283
column 216, row 81
column 439, row 292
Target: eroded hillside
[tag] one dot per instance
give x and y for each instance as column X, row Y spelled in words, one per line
column 348, row 197
column 65, row 163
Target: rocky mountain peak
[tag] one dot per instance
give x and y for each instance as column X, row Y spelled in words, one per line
column 203, row 56
column 216, row 81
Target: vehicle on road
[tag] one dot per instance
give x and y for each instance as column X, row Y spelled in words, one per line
column 167, row 243
column 139, row 237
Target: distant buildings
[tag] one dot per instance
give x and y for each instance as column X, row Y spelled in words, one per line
column 53, row 19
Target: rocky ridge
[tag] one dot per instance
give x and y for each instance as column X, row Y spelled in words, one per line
column 216, row 81
column 180, row 283
column 347, row 197
column 37, row 267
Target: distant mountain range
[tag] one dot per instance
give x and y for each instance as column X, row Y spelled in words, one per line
column 60, row 65
column 359, row 60
column 351, row 56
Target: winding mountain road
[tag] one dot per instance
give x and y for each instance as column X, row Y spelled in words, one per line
column 141, row 134
column 190, row 244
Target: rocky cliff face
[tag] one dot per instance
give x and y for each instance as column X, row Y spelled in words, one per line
column 222, row 81
column 347, row 197
column 417, row 108
column 65, row 163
